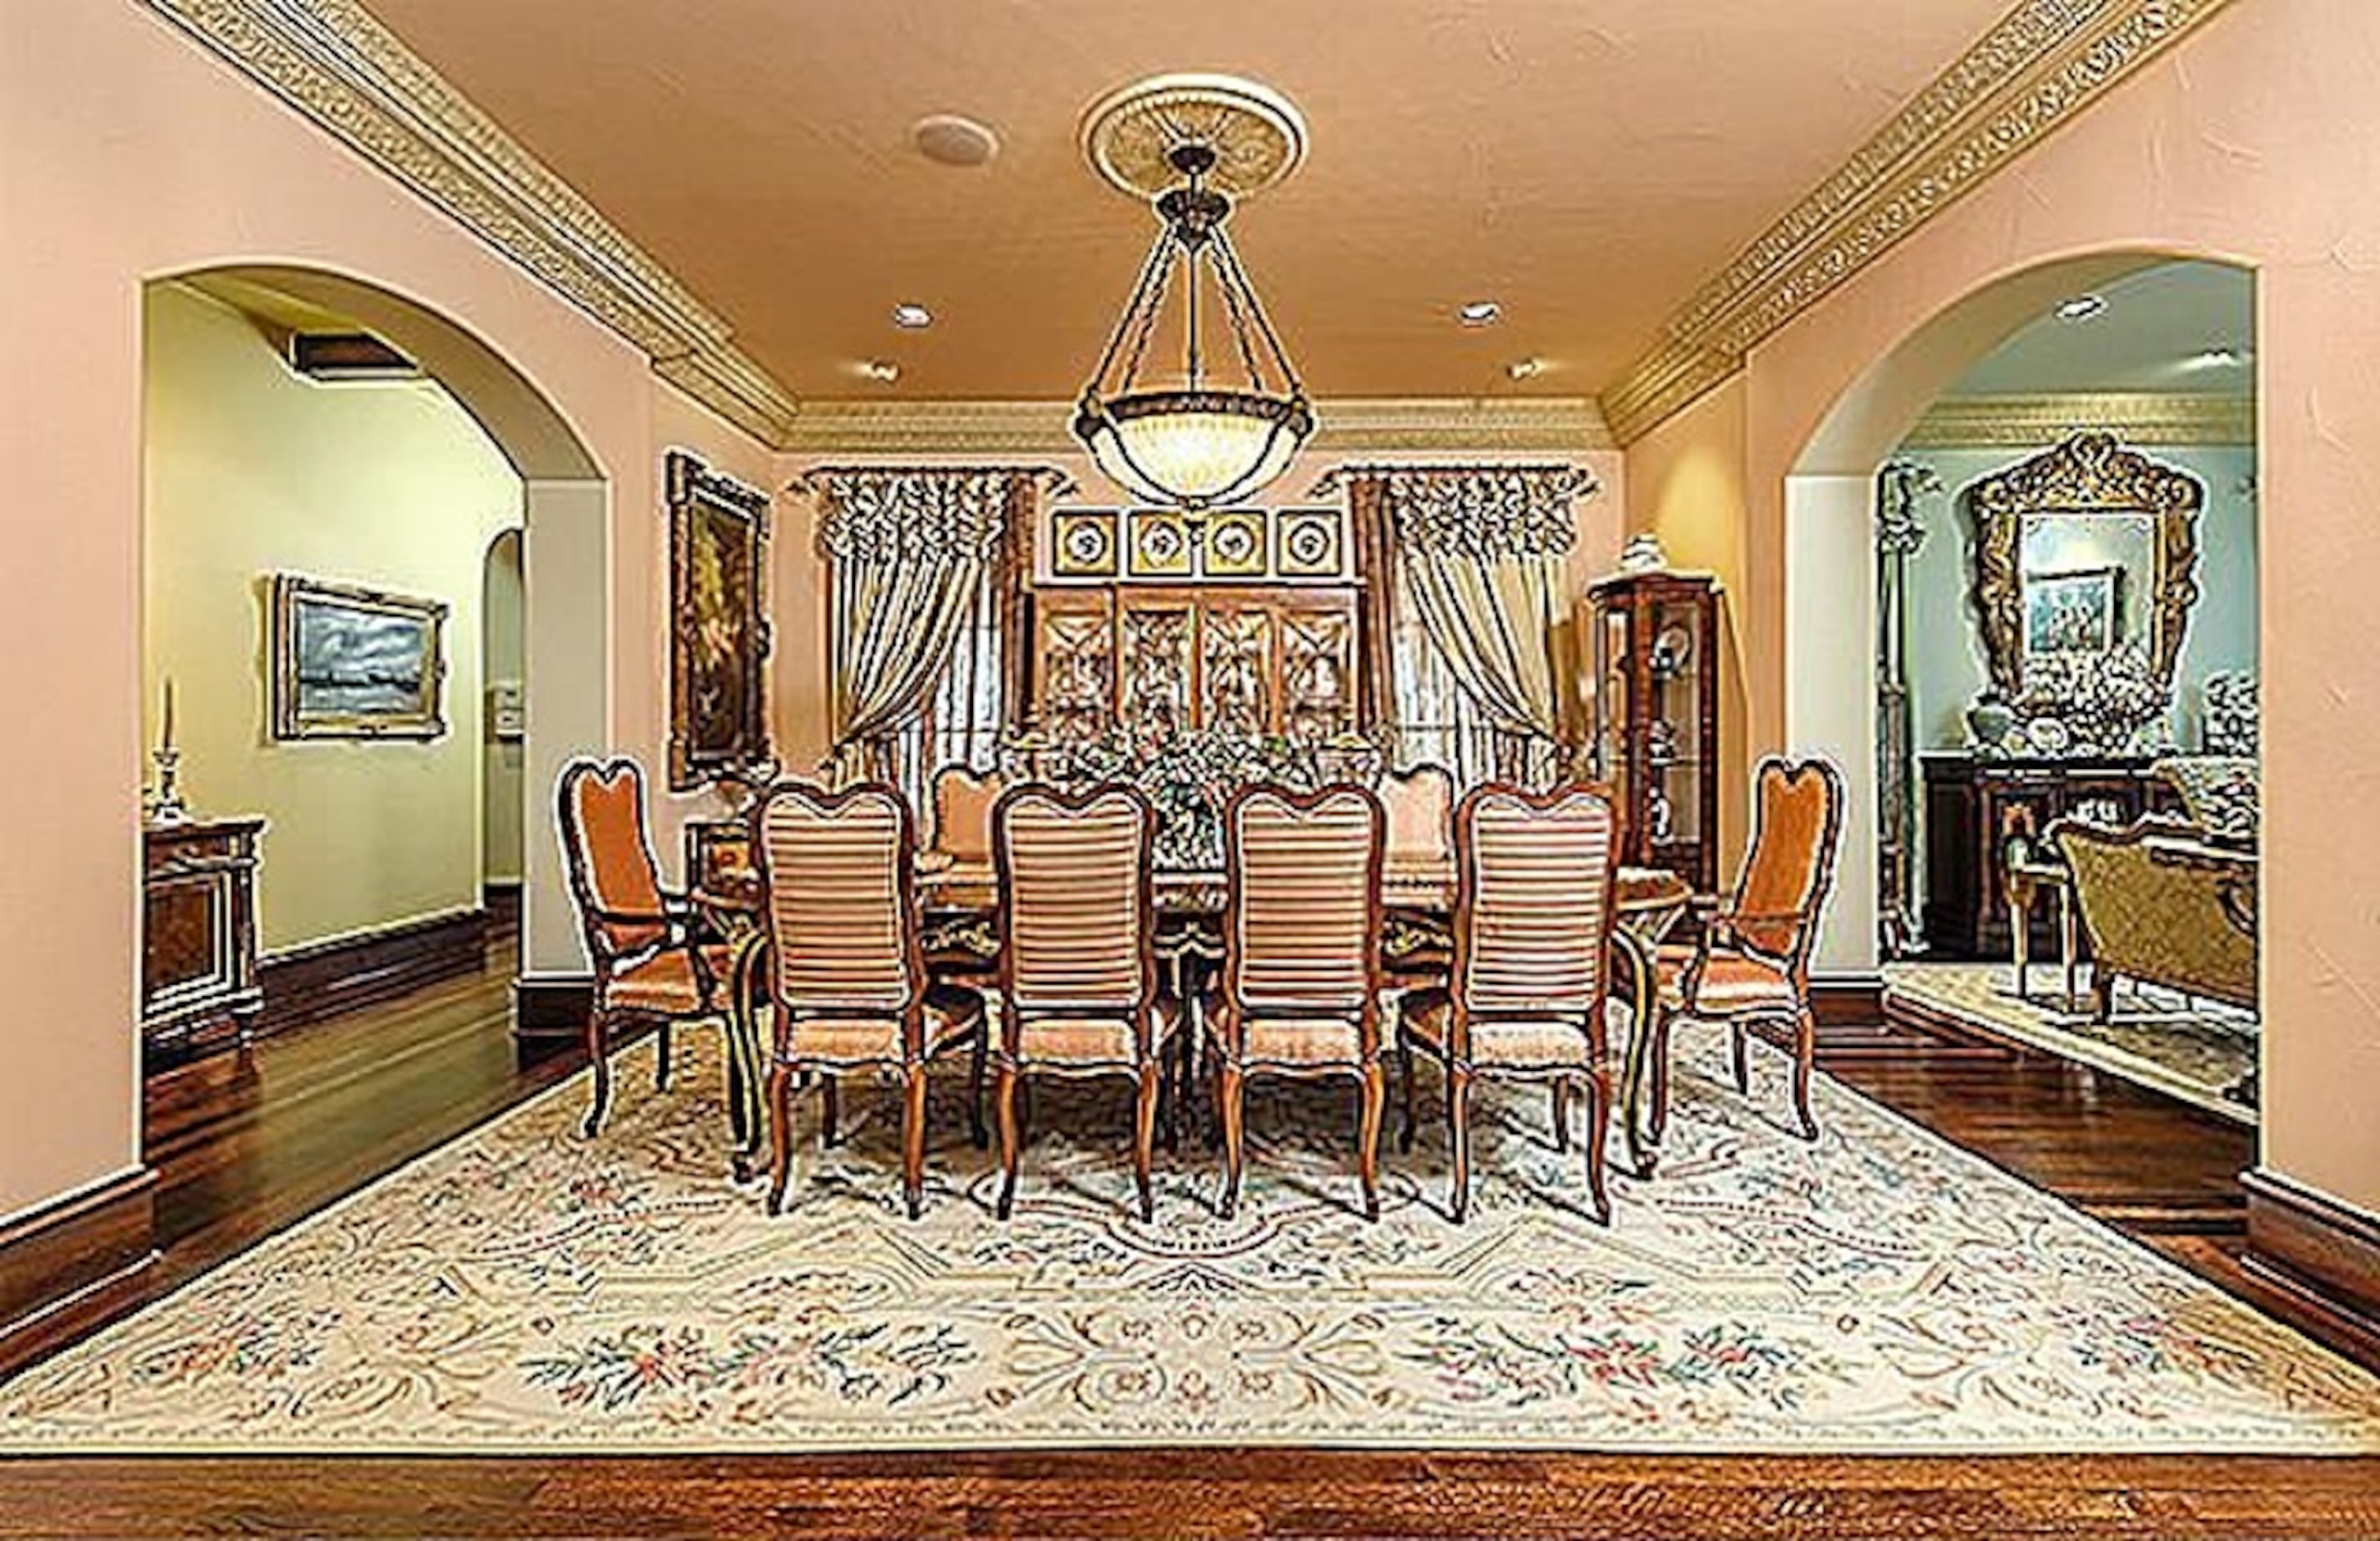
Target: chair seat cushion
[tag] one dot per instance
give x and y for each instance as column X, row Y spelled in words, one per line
column 1300, row 1040
column 1083, row 1040
column 861, row 1039
column 1732, row 982
column 1514, row 1042
column 664, row 984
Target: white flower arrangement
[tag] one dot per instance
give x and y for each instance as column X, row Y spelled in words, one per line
column 2110, row 702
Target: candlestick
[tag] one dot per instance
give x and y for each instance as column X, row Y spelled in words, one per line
column 169, row 714
column 167, row 806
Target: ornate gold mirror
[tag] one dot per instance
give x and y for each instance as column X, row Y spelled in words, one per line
column 2084, row 550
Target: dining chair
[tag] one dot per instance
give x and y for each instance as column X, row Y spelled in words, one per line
column 1750, row 967
column 1525, row 998
column 1300, row 978
column 962, row 946
column 846, row 978
column 1077, row 957
column 650, row 958
column 1418, row 806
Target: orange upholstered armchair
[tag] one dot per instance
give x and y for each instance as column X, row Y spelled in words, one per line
column 1078, row 954
column 1751, row 967
column 1301, row 930
column 1532, row 965
column 641, row 937
column 847, row 977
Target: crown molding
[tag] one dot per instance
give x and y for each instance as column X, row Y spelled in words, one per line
column 2134, row 417
column 2040, row 65
column 336, row 64
column 1370, row 425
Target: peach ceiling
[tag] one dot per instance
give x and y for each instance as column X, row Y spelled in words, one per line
column 1588, row 162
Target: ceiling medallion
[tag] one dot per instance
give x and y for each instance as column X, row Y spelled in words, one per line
column 1190, row 144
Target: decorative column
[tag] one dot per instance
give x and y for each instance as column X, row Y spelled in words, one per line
column 1898, row 534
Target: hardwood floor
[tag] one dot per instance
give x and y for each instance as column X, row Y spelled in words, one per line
column 245, row 1149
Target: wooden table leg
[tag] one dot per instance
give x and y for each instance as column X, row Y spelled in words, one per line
column 2020, row 902
column 1642, row 1155
column 2067, row 939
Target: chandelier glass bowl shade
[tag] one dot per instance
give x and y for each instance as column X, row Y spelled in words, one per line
column 1204, row 440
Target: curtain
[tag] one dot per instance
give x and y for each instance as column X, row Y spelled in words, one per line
column 1479, row 558
column 912, row 550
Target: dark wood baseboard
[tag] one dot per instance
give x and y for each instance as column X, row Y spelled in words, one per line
column 1836, row 1002
column 503, row 903
column 550, row 1008
column 69, row 1265
column 2322, row 1255
column 326, row 979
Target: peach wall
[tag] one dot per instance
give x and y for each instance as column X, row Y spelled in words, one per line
column 2257, row 141
column 178, row 165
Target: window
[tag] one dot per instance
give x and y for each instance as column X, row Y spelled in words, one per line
column 961, row 721
column 1437, row 723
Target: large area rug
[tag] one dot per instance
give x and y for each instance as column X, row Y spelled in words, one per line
column 522, row 1289
column 2199, row 1052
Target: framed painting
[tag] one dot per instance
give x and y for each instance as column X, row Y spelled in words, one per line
column 719, row 629
column 1238, row 543
column 1157, row 544
column 2073, row 612
column 351, row 663
column 1085, row 543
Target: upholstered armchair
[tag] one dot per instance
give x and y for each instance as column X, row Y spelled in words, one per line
column 1077, row 956
column 1532, row 967
column 845, row 975
column 1750, row 967
column 2161, row 902
column 643, row 940
column 1301, row 927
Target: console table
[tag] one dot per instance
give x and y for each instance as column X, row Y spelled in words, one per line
column 199, row 986
column 1975, row 807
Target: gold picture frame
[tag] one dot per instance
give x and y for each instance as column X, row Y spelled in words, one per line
column 1156, row 543
column 719, row 634
column 1237, row 544
column 352, row 663
column 1310, row 542
column 1082, row 543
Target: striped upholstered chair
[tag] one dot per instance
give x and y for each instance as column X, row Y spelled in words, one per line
column 641, row 939
column 1532, row 965
column 1301, row 929
column 1750, row 967
column 846, row 978
column 1077, row 957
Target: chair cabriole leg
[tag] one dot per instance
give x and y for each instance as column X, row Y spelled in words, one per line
column 1231, row 1093
column 661, row 1056
column 1368, row 1134
column 1561, row 1114
column 598, row 1055
column 1003, row 1097
column 1458, row 1124
column 1805, row 1059
column 913, row 1137
column 1598, row 1130
column 1144, row 1138
column 976, row 1054
column 781, row 1134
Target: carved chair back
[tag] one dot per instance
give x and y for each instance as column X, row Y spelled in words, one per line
column 614, row 879
column 1302, row 917
column 1533, row 901
column 1077, row 916
column 841, row 907
column 1798, row 825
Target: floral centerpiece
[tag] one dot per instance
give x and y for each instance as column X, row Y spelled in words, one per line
column 2108, row 703
column 1188, row 775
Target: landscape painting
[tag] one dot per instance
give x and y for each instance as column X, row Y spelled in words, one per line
column 351, row 663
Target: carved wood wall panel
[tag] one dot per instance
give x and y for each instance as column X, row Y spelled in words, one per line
column 1154, row 661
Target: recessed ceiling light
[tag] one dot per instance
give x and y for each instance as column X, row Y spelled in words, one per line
column 1480, row 312
column 2081, row 308
column 884, row 371
column 949, row 140
column 1525, row 368
column 910, row 316
column 2217, row 358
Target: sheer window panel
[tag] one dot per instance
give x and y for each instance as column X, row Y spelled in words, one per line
column 1438, row 724
column 962, row 721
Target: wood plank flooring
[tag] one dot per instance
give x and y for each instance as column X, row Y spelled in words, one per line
column 243, row 1149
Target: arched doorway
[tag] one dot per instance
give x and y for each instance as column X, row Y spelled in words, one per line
column 565, row 550
column 2155, row 351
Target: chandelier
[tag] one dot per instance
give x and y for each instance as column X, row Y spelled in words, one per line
column 1235, row 415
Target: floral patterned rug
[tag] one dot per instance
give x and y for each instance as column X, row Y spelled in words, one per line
column 522, row 1289
column 2200, row 1052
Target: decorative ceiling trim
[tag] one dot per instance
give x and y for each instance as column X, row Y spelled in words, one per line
column 1366, row 426
column 2039, row 65
column 2134, row 417
column 335, row 63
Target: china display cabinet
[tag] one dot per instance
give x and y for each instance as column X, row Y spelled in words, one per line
column 1656, row 717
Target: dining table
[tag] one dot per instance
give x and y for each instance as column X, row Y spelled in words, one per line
column 959, row 904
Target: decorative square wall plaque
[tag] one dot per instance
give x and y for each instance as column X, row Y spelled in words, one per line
column 1082, row 543
column 1310, row 542
column 1158, row 543
column 1236, row 543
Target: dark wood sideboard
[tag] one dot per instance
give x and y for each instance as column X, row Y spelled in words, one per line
column 199, row 988
column 1973, row 807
